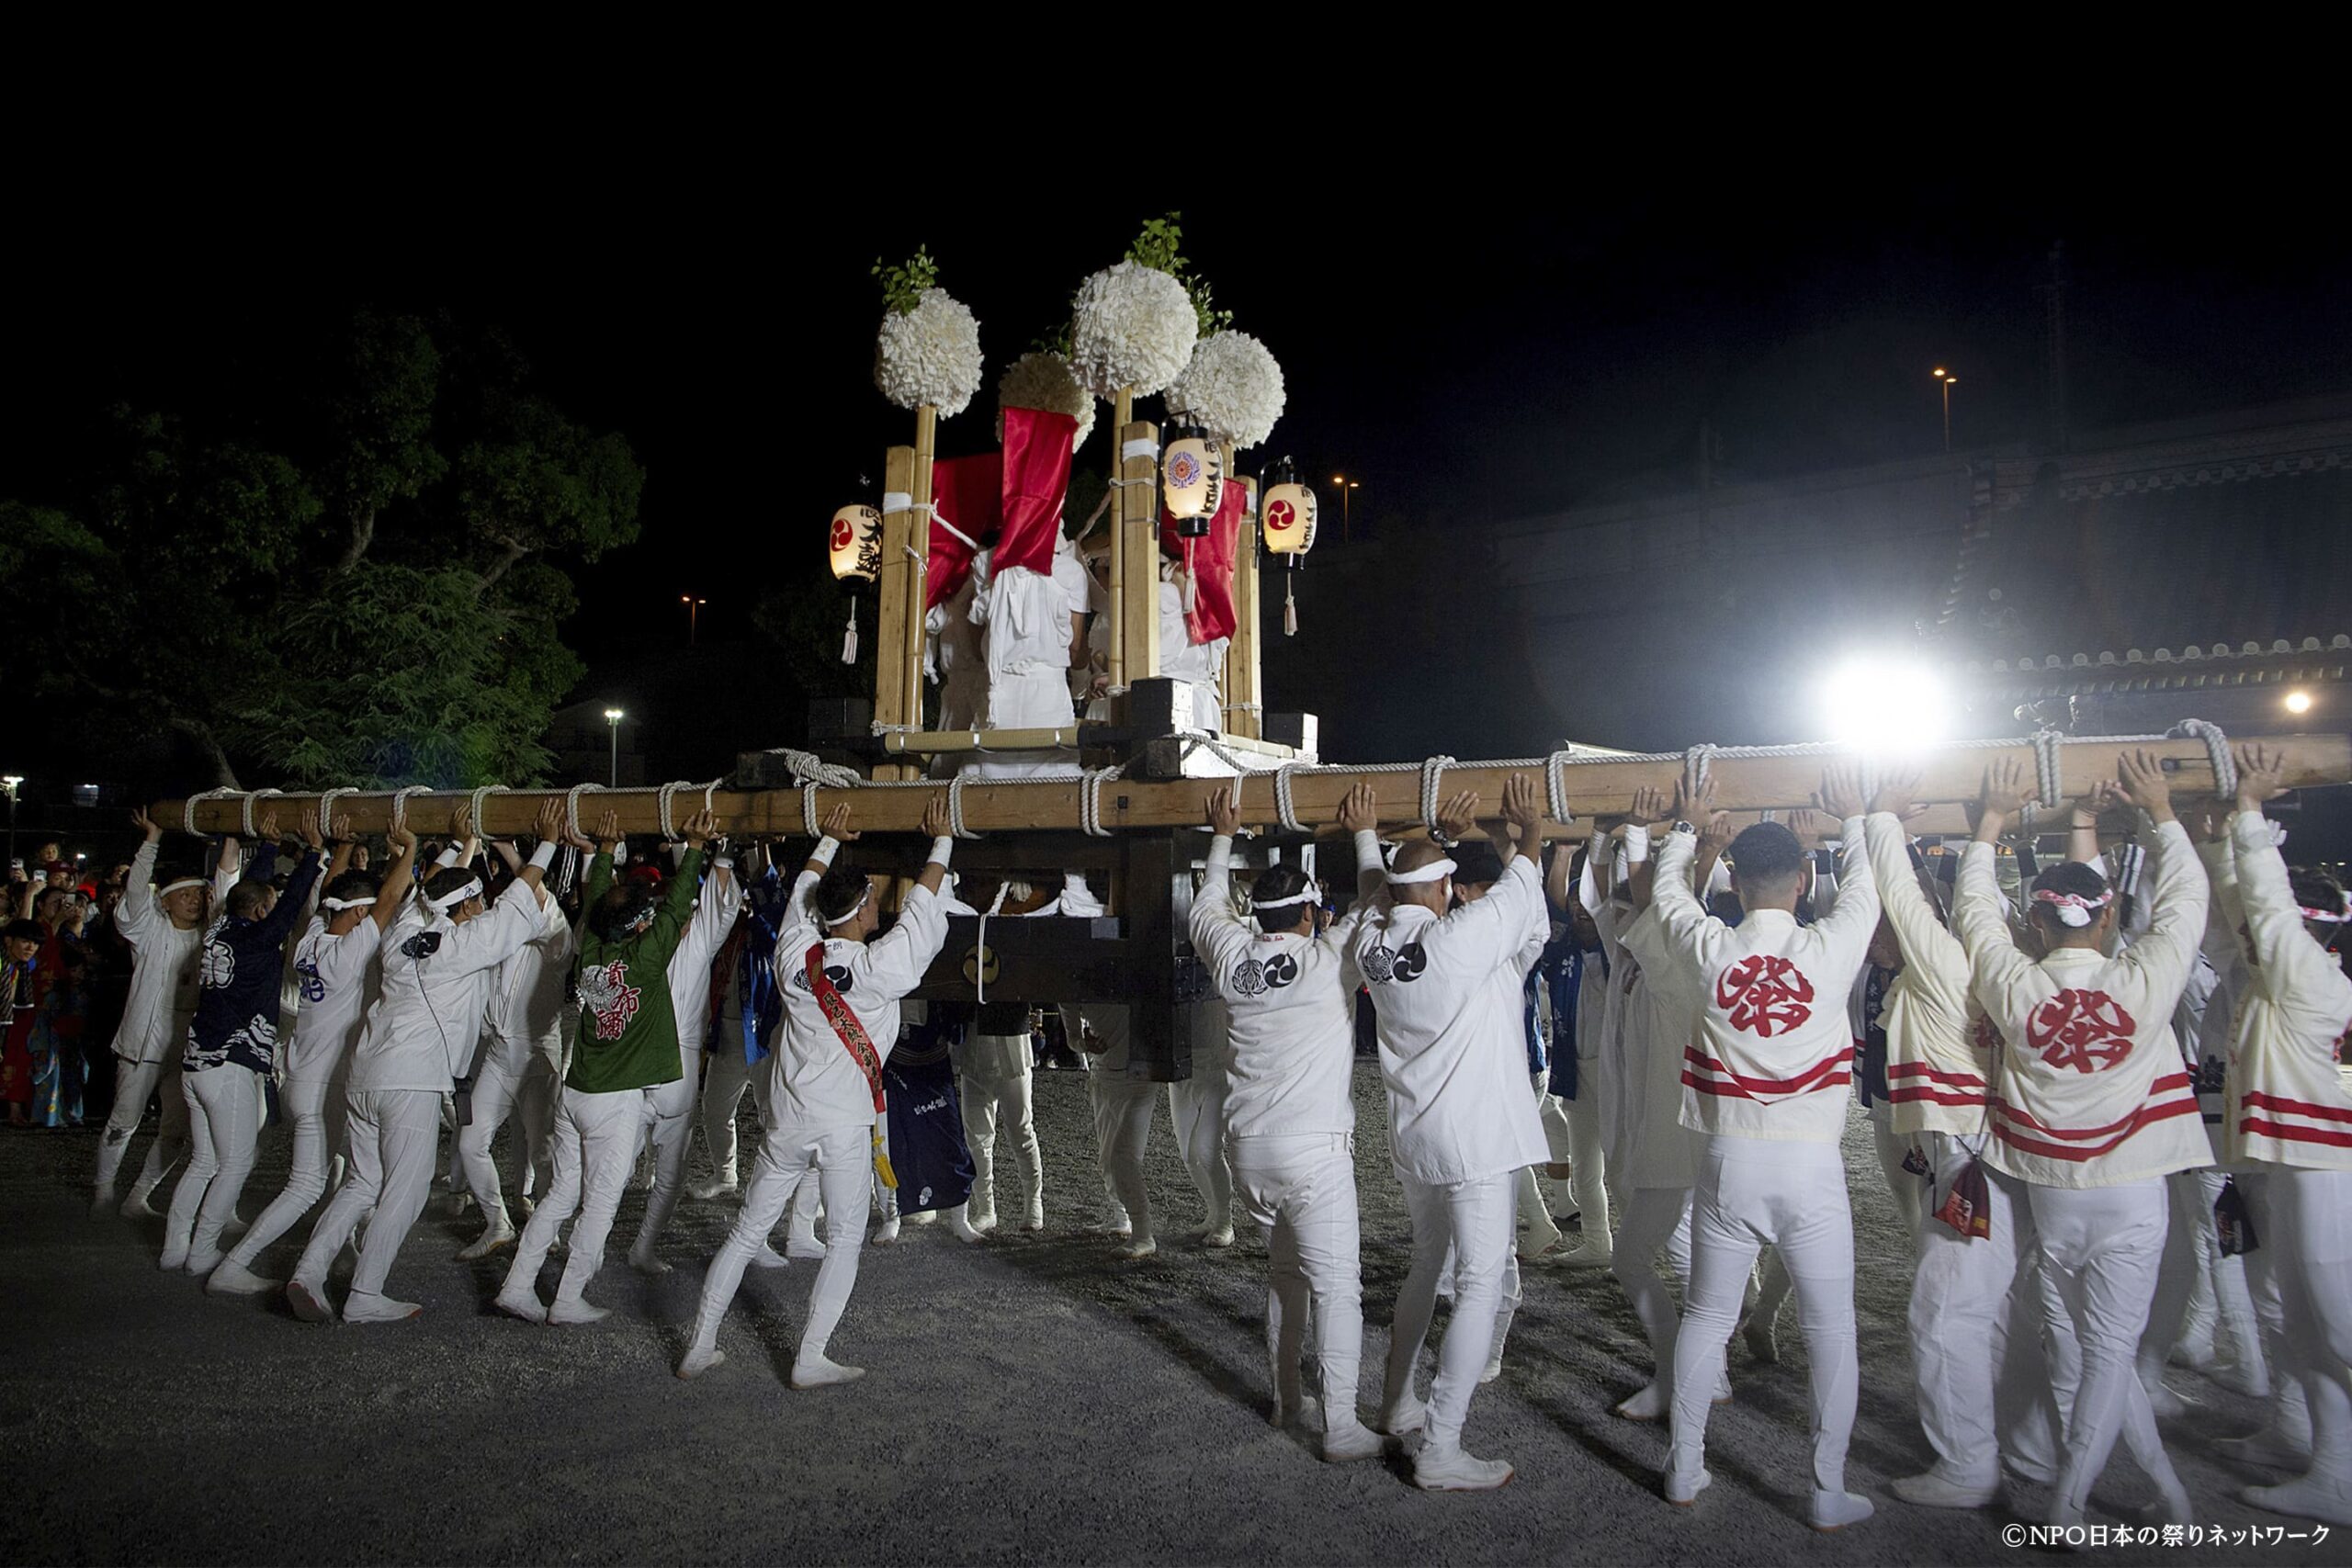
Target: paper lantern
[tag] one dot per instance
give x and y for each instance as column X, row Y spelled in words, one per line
column 1289, row 518
column 857, row 544
column 1191, row 478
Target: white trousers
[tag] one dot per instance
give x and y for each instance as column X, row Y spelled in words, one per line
column 1302, row 1189
column 1473, row 1218
column 842, row 1161
column 990, row 1103
column 595, row 1143
column 394, row 1134
column 1035, row 699
column 1654, row 1219
column 1196, row 1112
column 1907, row 1191
column 1791, row 1195
column 727, row 1075
column 2098, row 1248
column 671, row 1129
column 224, row 1125
column 134, row 1083
column 306, row 1102
column 1123, row 1109
column 1553, row 1111
column 495, row 1097
column 1588, row 1157
column 1960, row 1321
column 2304, row 1220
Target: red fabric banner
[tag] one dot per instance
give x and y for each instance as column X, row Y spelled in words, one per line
column 1212, row 615
column 1037, row 478
column 970, row 494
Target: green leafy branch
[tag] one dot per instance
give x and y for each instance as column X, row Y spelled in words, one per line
column 1159, row 246
column 903, row 286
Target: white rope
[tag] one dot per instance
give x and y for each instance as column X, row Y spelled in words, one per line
column 710, row 796
column 1432, row 774
column 2049, row 774
column 326, row 809
column 1224, row 754
column 399, row 818
column 572, row 808
column 1140, row 446
column 809, row 768
column 475, row 803
column 662, row 800
column 1556, row 789
column 980, row 948
column 1696, row 760
column 809, row 811
column 1089, row 802
column 188, row 808
column 246, row 810
column 955, row 808
column 2217, row 751
column 1284, row 805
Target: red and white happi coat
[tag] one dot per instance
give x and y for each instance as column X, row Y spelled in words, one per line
column 1772, row 1057
column 2092, row 1091
column 1940, row 1044
column 2287, row 1102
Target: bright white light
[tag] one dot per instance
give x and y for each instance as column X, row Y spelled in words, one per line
column 1889, row 707
column 2299, row 702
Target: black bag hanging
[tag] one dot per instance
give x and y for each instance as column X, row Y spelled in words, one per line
column 2236, row 1226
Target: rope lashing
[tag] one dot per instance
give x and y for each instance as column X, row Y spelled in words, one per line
column 1697, row 762
column 980, row 947
column 2217, row 751
column 1432, row 775
column 809, row 811
column 246, row 809
column 661, row 800
column 475, row 804
column 955, row 808
column 399, row 818
column 572, row 808
column 188, row 808
column 1089, row 802
column 1284, row 805
column 327, row 798
column 1556, row 788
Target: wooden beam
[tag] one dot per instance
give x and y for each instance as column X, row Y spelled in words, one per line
column 1597, row 788
column 1135, row 647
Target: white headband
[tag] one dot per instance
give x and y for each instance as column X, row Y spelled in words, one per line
column 854, row 908
column 1436, row 871
column 169, row 888
column 2074, row 909
column 2322, row 916
column 451, row 899
column 1310, row 893
column 340, row 905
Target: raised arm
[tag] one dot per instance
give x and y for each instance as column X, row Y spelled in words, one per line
column 398, row 879
column 1920, row 934
column 294, row 905
column 1995, row 966
column 2177, row 905
column 2300, row 977
column 1854, row 916
column 137, row 910
column 1211, row 916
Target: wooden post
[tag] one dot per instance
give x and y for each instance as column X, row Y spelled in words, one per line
column 910, row 673
column 900, row 594
column 1244, row 684
column 1135, row 647
column 1122, row 408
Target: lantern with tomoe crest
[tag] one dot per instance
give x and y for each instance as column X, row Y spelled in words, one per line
column 1288, row 514
column 855, row 547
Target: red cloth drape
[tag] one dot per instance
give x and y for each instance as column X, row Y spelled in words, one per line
column 970, row 494
column 1213, row 614
column 1037, row 478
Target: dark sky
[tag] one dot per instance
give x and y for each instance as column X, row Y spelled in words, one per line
column 1472, row 350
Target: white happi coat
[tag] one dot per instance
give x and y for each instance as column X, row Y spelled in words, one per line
column 337, row 975
column 1940, row 1044
column 165, row 967
column 1453, row 1043
column 2288, row 1102
column 815, row 1086
column 424, row 1028
column 2090, row 1090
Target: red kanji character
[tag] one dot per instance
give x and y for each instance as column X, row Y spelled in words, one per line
column 1765, row 994
column 2086, row 1031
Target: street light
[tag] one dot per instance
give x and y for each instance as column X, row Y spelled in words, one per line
column 694, row 607
column 10, row 782
column 1950, row 381
column 2297, row 703
column 1344, row 485
column 613, row 717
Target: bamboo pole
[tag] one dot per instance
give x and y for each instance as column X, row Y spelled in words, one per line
column 1244, row 685
column 1122, row 408
column 896, row 590
column 1136, row 638
column 1598, row 789
column 910, row 675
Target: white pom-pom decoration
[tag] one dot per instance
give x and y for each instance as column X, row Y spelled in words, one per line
column 1232, row 388
column 1131, row 326
column 931, row 354
column 1041, row 380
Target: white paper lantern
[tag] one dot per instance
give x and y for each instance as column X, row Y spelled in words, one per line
column 1289, row 516
column 857, row 544
column 1041, row 380
column 1232, row 388
column 931, row 354
column 1131, row 326
column 1192, row 479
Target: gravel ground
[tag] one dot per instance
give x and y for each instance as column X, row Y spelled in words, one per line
column 1027, row 1401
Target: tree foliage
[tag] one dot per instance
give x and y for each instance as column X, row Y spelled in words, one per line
column 359, row 584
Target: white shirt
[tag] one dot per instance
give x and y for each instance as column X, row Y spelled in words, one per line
column 1453, row 1043
column 2090, row 1088
column 1940, row 1044
column 815, row 1085
column 421, row 1033
column 2287, row 1103
column 1774, row 1053
column 1289, row 1002
column 716, row 907
column 1027, row 613
column 165, row 971
column 526, row 1011
column 337, row 975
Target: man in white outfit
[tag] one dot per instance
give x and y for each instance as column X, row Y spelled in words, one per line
column 1767, row 1082
column 841, row 988
column 1196, row 1113
column 1037, row 632
column 2289, row 1112
column 2095, row 1108
column 716, row 905
column 164, row 926
column 1289, row 994
column 1123, row 1107
column 992, row 1065
column 438, row 960
column 1455, row 1063
column 334, row 963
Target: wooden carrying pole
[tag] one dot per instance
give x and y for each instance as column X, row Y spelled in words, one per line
column 1784, row 778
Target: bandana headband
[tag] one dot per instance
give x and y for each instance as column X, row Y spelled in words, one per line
column 169, row 888
column 854, row 908
column 1436, row 871
column 451, row 899
column 2324, row 918
column 1310, row 893
column 340, row 905
column 2074, row 909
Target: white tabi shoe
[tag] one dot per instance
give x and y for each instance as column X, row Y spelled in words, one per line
column 805, row 1247
column 308, row 1299
column 1455, row 1470
column 960, row 1226
column 720, row 1186
column 136, row 1207
column 1835, row 1510
column 522, row 1304
column 233, row 1279
column 1035, row 1220
column 2310, row 1497
column 1215, row 1237
column 1352, row 1441
column 1404, row 1418
column 365, row 1306
column 816, row 1372
column 1136, row 1251
column 1931, row 1489
column 768, row 1257
column 648, row 1264
column 572, row 1313
column 490, row 1241
column 1683, row 1490
column 1652, row 1404
column 698, row 1359
column 886, row 1234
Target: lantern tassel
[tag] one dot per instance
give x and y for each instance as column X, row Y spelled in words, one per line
column 848, row 641
column 1290, row 599
column 1192, row 593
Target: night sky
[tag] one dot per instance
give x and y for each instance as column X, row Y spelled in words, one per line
column 1469, row 356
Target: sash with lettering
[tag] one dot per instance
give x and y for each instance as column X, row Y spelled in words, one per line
column 857, row 1043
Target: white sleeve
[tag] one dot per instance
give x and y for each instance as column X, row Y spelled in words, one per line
column 1997, row 968
column 896, row 962
column 2176, row 905
column 1683, row 921
column 721, row 901
column 1845, row 929
column 137, row 911
column 1213, row 926
column 2301, row 979
column 496, row 934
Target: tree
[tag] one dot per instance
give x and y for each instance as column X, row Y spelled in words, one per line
column 351, row 607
